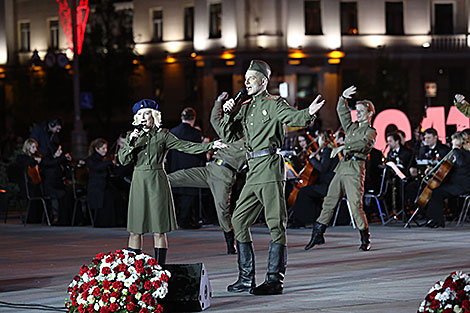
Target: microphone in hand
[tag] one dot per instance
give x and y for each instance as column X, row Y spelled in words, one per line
column 239, row 94
column 134, row 139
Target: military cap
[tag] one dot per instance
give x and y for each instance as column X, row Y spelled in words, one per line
column 144, row 104
column 260, row 66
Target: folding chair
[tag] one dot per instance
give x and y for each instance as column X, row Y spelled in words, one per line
column 35, row 198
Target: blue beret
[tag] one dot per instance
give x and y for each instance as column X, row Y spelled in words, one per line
column 144, row 104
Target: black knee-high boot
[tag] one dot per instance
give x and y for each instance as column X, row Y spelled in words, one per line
column 365, row 240
column 246, row 268
column 317, row 236
column 160, row 255
column 274, row 281
column 230, row 241
column 136, row 251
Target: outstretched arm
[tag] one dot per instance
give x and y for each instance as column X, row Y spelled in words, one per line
column 216, row 114
column 462, row 104
column 342, row 108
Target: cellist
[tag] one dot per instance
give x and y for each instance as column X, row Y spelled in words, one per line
column 455, row 184
column 308, row 203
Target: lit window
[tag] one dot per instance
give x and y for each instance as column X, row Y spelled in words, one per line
column 188, row 23
column 312, row 18
column 157, row 20
column 349, row 18
column 54, row 34
column 25, row 36
column 215, row 22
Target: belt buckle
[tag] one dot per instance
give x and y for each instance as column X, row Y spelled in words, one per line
column 219, row 162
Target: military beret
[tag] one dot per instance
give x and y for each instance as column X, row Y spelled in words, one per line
column 144, row 104
column 260, row 66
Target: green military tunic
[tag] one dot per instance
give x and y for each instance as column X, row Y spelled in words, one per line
column 215, row 176
column 151, row 207
column 351, row 169
column 261, row 120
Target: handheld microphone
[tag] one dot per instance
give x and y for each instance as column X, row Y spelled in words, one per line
column 239, row 94
column 139, row 128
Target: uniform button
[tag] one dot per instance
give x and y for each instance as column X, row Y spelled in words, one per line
column 254, row 105
column 251, row 124
column 251, row 114
column 241, row 148
column 349, row 147
column 145, row 153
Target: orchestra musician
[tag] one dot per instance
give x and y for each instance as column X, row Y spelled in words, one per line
column 308, row 203
column 455, row 184
column 433, row 149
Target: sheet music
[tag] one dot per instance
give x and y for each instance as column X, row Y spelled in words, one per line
column 396, row 170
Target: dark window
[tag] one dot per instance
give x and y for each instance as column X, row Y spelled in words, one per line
column 312, row 18
column 394, row 18
column 54, row 34
column 306, row 85
column 443, row 18
column 157, row 20
column 215, row 22
column 349, row 18
column 25, row 37
column 188, row 23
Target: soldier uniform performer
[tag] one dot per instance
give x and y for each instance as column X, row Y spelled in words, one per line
column 261, row 120
column 462, row 104
column 219, row 175
column 351, row 170
column 151, row 207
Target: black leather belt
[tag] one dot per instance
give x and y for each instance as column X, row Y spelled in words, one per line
column 225, row 164
column 261, row 153
column 349, row 157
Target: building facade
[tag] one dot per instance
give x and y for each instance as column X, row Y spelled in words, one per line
column 189, row 51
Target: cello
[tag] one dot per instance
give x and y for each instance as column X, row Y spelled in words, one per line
column 435, row 178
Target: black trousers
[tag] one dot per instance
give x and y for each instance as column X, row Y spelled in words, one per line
column 436, row 202
column 307, row 206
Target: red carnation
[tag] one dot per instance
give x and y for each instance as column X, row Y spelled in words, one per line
column 76, row 278
column 106, row 284
column 115, row 294
column 110, row 259
column 128, row 299
column 147, row 298
column 461, row 294
column 81, row 308
column 122, row 267
column 85, row 294
column 448, row 311
column 139, row 269
column 117, row 285
column 435, row 304
column 130, row 307
column 83, row 270
column 113, row 307
column 105, row 297
column 93, row 272
column 164, row 278
column 152, row 262
column 99, row 256
column 144, row 310
column 159, row 308
column 133, row 289
column 104, row 309
column 148, row 285
column 105, row 270
column 90, row 309
column 157, row 284
column 466, row 305
column 96, row 292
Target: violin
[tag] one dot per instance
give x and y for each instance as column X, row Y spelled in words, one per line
column 33, row 171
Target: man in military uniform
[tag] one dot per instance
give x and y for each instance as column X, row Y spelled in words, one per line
column 351, row 170
column 462, row 104
column 219, row 175
column 260, row 120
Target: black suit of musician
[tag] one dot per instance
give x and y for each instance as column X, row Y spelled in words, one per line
column 455, row 184
column 399, row 154
column 433, row 149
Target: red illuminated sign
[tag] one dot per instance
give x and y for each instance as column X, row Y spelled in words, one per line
column 435, row 117
column 66, row 18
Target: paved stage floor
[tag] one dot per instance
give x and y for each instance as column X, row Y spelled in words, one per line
column 37, row 263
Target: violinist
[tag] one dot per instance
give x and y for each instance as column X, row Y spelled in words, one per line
column 456, row 183
column 308, row 203
column 52, row 174
column 302, row 148
column 28, row 162
column 101, row 194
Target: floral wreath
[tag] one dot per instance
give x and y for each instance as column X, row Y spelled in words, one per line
column 451, row 295
column 119, row 281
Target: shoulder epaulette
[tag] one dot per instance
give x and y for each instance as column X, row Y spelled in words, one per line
column 163, row 130
column 247, row 101
column 271, row 97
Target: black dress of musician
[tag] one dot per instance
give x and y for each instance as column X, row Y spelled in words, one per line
column 102, row 197
column 455, row 184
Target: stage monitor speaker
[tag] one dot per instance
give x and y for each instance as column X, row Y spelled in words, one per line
column 189, row 289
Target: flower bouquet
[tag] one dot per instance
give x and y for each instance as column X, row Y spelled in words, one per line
column 119, row 281
column 449, row 296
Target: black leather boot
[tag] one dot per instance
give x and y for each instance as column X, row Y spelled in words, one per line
column 317, row 236
column 136, row 251
column 160, row 255
column 230, row 241
column 246, row 268
column 365, row 240
column 274, row 282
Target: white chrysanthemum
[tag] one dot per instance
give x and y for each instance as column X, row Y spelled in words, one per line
column 97, row 307
column 132, row 270
column 142, row 304
column 85, row 278
column 111, row 276
column 128, row 283
column 466, row 288
column 448, row 306
column 80, row 299
column 112, row 299
column 125, row 291
column 121, row 277
column 140, row 256
column 421, row 307
column 101, row 303
column 138, row 295
column 457, row 309
column 90, row 299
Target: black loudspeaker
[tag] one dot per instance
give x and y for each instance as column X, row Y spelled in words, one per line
column 189, row 289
